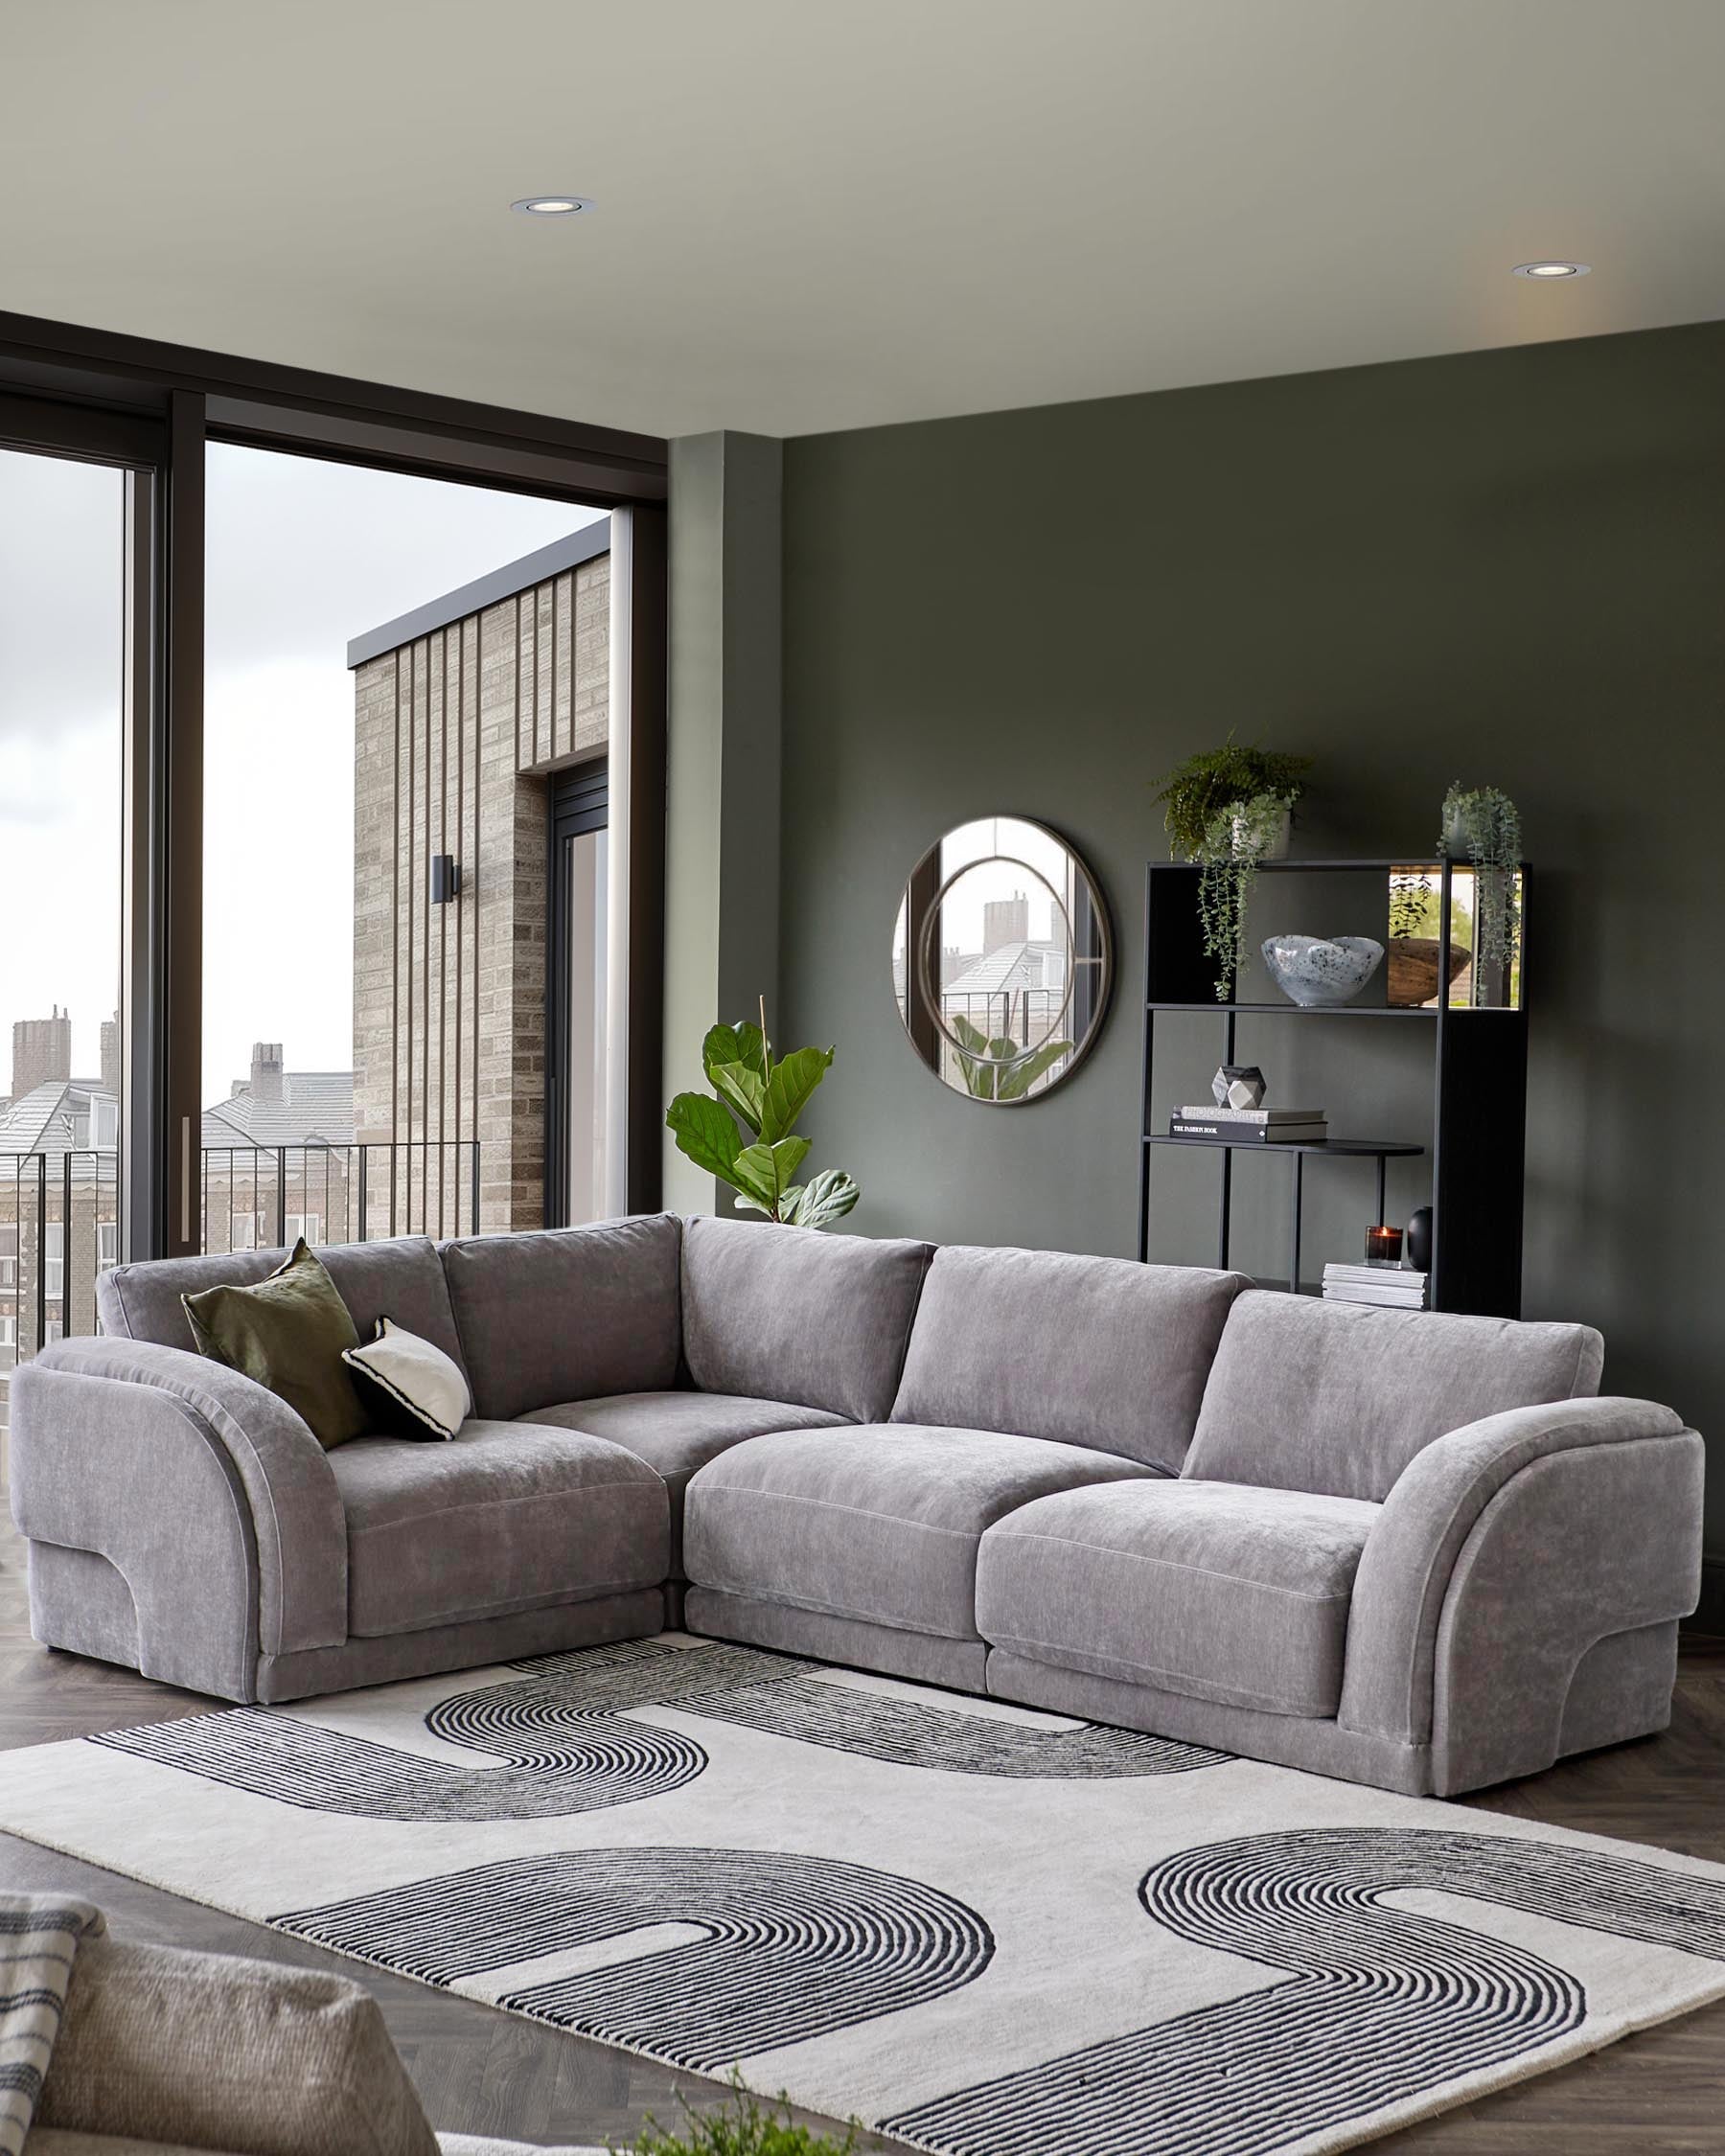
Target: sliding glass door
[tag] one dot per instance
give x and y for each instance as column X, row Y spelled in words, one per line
column 580, row 1120
column 74, row 551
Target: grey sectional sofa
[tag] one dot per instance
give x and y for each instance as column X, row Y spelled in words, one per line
column 1409, row 1550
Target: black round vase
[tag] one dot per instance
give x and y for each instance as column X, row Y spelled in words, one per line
column 1419, row 1239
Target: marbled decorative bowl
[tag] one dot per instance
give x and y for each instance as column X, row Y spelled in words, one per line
column 1315, row 971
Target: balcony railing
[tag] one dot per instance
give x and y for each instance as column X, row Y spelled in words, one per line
column 59, row 1216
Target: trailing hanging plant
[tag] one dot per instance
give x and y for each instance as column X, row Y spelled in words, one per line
column 765, row 1096
column 1237, row 842
column 1195, row 792
column 1226, row 809
column 1486, row 825
column 1000, row 1068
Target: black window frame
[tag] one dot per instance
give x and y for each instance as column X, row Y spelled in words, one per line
column 153, row 407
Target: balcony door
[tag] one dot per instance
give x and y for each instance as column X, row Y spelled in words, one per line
column 579, row 1120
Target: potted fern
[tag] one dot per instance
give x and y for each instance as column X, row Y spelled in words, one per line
column 1229, row 810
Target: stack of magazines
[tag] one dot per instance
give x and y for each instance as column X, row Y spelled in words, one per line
column 1393, row 1286
column 1249, row 1126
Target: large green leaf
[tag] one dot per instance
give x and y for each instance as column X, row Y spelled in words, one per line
column 789, row 1088
column 767, row 1171
column 736, row 1084
column 968, row 1037
column 819, row 1202
column 972, row 1050
column 1014, row 1084
column 704, row 1130
column 736, row 1043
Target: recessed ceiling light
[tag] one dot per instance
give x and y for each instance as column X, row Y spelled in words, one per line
column 1547, row 269
column 552, row 205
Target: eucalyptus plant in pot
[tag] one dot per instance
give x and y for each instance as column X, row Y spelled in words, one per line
column 1482, row 826
column 1227, row 811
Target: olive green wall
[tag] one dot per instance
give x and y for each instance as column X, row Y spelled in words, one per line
column 1506, row 567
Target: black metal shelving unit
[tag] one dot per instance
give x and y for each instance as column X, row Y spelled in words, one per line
column 1477, row 1113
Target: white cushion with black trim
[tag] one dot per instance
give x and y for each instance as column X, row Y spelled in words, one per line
column 412, row 1389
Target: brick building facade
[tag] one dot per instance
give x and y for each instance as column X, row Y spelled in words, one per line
column 463, row 712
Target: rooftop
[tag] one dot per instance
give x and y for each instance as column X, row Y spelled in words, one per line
column 584, row 545
column 316, row 1108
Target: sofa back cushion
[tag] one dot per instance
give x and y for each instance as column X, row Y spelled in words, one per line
column 1337, row 1397
column 566, row 1312
column 793, row 1314
column 1091, row 1351
column 401, row 1278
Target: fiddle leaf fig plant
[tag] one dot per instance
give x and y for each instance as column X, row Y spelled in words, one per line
column 765, row 1097
column 999, row 1068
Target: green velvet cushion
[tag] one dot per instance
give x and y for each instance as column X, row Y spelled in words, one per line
column 290, row 1334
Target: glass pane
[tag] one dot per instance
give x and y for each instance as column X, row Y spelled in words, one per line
column 586, row 993
column 374, row 745
column 62, row 737
column 1484, row 945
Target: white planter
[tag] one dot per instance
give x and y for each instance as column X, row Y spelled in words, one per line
column 1278, row 848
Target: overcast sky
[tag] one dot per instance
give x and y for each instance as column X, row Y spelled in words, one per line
column 302, row 556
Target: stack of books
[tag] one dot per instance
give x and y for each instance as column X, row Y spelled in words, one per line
column 1249, row 1126
column 1393, row 1286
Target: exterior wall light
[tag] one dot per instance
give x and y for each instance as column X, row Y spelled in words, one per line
column 446, row 879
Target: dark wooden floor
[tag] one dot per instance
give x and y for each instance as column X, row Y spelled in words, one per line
column 481, row 2071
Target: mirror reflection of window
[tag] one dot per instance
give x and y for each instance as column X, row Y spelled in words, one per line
column 1000, row 959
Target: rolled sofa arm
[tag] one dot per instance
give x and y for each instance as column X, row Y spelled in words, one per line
column 79, row 1406
column 1519, row 1543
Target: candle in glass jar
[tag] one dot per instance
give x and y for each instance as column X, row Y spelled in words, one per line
column 1383, row 1246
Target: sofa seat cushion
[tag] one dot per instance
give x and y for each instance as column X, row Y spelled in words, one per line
column 676, row 1433
column 878, row 1521
column 1213, row 1589
column 506, row 1516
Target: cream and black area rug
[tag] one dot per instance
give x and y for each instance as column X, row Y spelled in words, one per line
column 983, row 1931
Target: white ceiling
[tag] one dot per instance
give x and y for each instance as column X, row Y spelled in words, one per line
column 817, row 214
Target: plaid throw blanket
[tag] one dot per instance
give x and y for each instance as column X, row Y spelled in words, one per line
column 39, row 1939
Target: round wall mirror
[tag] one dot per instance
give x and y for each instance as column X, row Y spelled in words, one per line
column 1001, row 960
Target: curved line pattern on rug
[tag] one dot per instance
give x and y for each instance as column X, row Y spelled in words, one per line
column 1386, row 2004
column 793, row 1946
column 272, row 1754
column 784, row 1697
